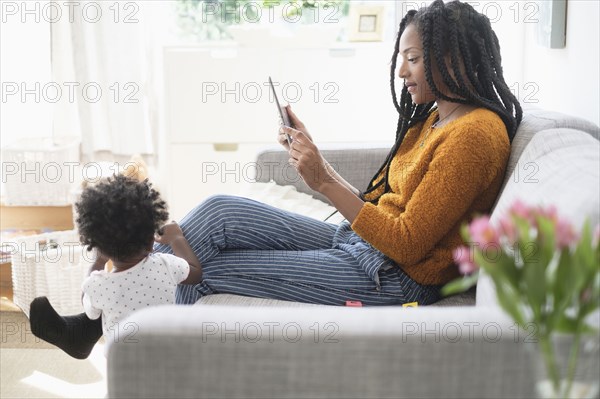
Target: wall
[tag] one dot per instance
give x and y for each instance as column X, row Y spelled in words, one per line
column 568, row 78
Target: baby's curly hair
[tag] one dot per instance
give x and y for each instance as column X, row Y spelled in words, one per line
column 119, row 216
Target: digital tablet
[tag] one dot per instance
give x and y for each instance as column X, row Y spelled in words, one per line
column 283, row 116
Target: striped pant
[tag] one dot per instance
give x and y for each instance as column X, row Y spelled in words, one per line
column 249, row 248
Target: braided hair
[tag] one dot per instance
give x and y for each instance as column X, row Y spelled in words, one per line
column 458, row 30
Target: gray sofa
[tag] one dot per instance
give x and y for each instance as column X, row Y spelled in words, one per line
column 228, row 346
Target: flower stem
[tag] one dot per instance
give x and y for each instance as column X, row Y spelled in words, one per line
column 550, row 361
column 572, row 363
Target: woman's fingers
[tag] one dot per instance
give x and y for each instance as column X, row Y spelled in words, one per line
column 282, row 138
column 294, row 118
column 303, row 152
column 295, row 134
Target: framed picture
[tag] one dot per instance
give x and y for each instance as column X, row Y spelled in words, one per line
column 366, row 23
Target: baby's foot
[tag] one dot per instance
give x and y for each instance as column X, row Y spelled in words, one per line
column 76, row 335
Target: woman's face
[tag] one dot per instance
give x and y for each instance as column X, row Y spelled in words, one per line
column 412, row 67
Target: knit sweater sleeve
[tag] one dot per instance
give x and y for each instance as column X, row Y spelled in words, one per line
column 461, row 167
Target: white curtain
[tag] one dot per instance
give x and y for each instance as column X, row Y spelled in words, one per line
column 107, row 54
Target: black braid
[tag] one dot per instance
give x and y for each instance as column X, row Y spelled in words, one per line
column 470, row 54
column 462, row 88
column 439, row 27
column 458, row 30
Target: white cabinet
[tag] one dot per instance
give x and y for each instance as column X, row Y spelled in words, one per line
column 197, row 171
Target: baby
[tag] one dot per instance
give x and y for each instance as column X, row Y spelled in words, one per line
column 119, row 218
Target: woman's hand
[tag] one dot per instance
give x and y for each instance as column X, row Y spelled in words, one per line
column 308, row 161
column 169, row 233
column 298, row 125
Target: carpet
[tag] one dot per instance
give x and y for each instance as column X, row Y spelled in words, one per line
column 32, row 368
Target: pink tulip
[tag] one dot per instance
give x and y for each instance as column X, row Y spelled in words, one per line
column 565, row 234
column 462, row 256
column 550, row 212
column 520, row 209
column 482, row 232
column 508, row 229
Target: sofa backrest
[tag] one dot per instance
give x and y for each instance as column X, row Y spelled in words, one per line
column 536, row 120
column 356, row 164
column 559, row 167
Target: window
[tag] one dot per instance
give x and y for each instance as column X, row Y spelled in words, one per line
column 232, row 20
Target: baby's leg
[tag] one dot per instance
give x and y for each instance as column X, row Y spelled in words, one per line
column 76, row 335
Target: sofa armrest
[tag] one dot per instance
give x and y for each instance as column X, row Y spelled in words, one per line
column 355, row 165
column 232, row 352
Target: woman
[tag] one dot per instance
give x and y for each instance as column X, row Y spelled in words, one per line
column 456, row 119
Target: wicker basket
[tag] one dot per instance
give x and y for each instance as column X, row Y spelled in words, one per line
column 40, row 171
column 53, row 265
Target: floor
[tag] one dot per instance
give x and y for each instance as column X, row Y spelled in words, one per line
column 32, row 368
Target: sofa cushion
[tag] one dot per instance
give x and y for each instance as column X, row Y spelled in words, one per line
column 290, row 199
column 239, row 300
column 463, row 299
column 536, row 120
column 562, row 169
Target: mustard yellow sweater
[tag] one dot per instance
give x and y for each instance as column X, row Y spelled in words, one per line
column 434, row 189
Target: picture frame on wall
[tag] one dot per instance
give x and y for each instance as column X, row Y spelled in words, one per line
column 366, row 23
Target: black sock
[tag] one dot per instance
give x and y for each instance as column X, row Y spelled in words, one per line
column 76, row 335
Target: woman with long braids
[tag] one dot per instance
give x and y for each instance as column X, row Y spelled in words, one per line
column 456, row 118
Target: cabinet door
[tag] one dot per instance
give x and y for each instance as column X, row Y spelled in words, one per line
column 197, row 171
column 219, row 95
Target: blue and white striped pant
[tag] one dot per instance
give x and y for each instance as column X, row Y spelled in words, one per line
column 249, row 248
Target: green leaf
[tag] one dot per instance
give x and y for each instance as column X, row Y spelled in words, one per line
column 567, row 324
column 507, row 265
column 464, row 232
column 546, row 241
column 501, row 263
column 592, row 293
column 584, row 251
column 460, row 284
column 507, row 294
column 564, row 280
column 534, row 281
column 562, row 289
column 508, row 301
column 523, row 228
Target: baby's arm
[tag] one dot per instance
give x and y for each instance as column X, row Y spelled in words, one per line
column 98, row 265
column 173, row 235
column 89, row 309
